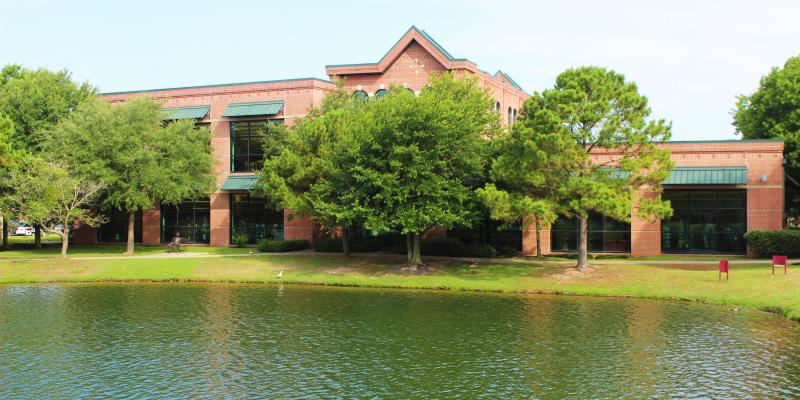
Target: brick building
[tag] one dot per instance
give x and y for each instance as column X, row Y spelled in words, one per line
column 738, row 182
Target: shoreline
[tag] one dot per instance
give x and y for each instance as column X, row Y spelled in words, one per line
column 544, row 292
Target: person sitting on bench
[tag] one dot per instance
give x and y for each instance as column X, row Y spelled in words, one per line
column 176, row 244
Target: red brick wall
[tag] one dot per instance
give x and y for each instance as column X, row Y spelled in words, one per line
column 764, row 199
column 297, row 227
column 220, row 219
column 151, row 226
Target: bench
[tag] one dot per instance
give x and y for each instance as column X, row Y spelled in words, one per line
column 177, row 244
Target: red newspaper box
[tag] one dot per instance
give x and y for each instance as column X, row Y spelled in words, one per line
column 723, row 267
column 779, row 261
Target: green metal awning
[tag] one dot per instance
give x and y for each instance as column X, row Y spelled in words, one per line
column 707, row 176
column 698, row 176
column 195, row 112
column 249, row 109
column 245, row 182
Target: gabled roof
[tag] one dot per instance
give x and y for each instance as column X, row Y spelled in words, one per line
column 412, row 35
column 504, row 76
column 430, row 45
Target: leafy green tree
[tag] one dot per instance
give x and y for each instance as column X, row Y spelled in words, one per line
column 773, row 111
column 36, row 99
column 49, row 196
column 300, row 172
column 518, row 188
column 139, row 159
column 7, row 161
column 590, row 110
column 417, row 159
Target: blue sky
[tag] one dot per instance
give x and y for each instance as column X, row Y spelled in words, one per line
column 690, row 58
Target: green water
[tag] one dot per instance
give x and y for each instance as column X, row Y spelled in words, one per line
column 256, row 341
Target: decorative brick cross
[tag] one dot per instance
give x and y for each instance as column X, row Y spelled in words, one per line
column 416, row 65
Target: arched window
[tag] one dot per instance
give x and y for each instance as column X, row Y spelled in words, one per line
column 515, row 114
column 497, row 106
column 360, row 94
column 510, row 116
column 380, row 93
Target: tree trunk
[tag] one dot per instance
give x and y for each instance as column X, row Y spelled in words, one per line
column 37, row 236
column 346, row 242
column 64, row 241
column 416, row 258
column 5, row 232
column 583, row 238
column 538, row 237
column 131, row 218
column 409, row 247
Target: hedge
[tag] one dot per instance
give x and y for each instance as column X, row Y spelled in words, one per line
column 452, row 247
column 769, row 243
column 356, row 245
column 280, row 246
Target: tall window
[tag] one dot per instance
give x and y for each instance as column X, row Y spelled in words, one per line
column 510, row 120
column 497, row 106
column 247, row 144
column 252, row 217
column 116, row 229
column 705, row 221
column 190, row 218
column 515, row 115
column 605, row 234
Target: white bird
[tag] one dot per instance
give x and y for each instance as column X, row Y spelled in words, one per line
column 280, row 274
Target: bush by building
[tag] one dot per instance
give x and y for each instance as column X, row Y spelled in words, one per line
column 356, row 245
column 768, row 243
column 281, row 246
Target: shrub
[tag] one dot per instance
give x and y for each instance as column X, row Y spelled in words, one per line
column 480, row 251
column 240, row 239
column 452, row 247
column 328, row 245
column 280, row 246
column 768, row 243
column 507, row 251
column 356, row 245
column 442, row 246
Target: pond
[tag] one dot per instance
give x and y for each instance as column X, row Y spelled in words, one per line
column 246, row 341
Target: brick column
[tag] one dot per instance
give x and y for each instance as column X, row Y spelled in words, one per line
column 645, row 232
column 529, row 238
column 151, row 226
column 220, row 219
column 297, row 227
column 83, row 234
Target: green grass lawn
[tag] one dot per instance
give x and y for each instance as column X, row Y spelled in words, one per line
column 750, row 285
column 53, row 250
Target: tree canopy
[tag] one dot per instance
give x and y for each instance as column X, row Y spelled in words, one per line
column 48, row 195
column 37, row 99
column 773, row 111
column 400, row 163
column 138, row 158
column 583, row 146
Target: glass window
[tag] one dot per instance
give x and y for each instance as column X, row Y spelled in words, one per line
column 380, row 93
column 605, row 234
column 247, row 144
column 705, row 221
column 190, row 219
column 360, row 94
column 510, row 121
column 251, row 216
column 116, row 229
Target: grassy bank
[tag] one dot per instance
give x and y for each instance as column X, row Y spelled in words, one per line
column 750, row 285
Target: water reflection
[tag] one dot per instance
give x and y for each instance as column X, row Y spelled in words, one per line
column 238, row 341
